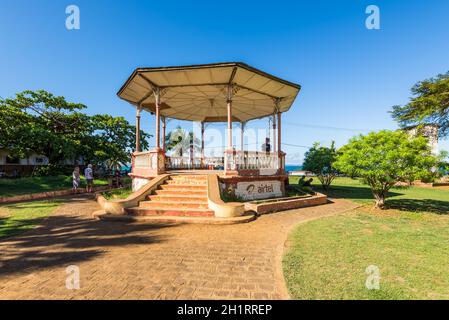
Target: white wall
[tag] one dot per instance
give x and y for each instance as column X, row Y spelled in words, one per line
column 31, row 160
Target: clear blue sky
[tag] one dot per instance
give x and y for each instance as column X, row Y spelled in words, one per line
column 351, row 76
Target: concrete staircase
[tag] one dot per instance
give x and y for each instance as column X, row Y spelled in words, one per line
column 181, row 195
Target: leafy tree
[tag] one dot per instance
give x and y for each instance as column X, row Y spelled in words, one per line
column 38, row 121
column 320, row 160
column 429, row 104
column 384, row 158
column 443, row 163
column 114, row 139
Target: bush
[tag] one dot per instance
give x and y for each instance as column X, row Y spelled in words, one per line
column 52, row 170
column 121, row 193
column 320, row 160
column 305, row 185
column 228, row 195
column 385, row 158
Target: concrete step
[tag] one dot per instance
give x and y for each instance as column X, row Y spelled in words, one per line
column 177, row 204
column 183, row 187
column 175, row 219
column 187, row 182
column 176, row 198
column 182, row 192
column 189, row 177
column 181, row 212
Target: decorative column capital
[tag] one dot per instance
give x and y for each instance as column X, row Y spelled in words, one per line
column 158, row 94
column 277, row 102
column 229, row 93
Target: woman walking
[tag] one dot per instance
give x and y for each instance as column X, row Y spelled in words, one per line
column 76, row 179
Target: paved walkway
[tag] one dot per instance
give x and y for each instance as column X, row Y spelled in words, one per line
column 118, row 260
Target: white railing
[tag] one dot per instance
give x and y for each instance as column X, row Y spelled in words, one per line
column 265, row 162
column 215, row 162
column 147, row 160
column 253, row 160
column 195, row 163
column 148, row 163
column 178, row 163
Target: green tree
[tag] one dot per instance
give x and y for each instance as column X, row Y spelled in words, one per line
column 384, row 158
column 443, row 163
column 320, row 160
column 38, row 121
column 113, row 140
column 429, row 104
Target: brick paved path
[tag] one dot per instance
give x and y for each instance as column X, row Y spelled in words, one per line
column 118, row 260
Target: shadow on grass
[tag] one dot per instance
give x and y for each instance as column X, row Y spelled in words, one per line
column 363, row 194
column 419, row 205
column 352, row 193
column 62, row 240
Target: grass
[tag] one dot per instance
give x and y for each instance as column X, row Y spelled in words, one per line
column 417, row 199
column 122, row 193
column 20, row 217
column 327, row 258
column 28, row 185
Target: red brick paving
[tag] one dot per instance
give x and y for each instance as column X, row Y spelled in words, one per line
column 120, row 260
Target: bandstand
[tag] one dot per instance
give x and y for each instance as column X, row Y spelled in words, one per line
column 234, row 93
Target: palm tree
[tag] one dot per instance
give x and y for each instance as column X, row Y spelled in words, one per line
column 179, row 141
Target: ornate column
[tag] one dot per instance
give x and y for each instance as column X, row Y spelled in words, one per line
column 274, row 132
column 281, row 155
column 279, row 133
column 229, row 109
column 157, row 96
column 138, row 129
column 159, row 162
column 202, row 144
column 242, row 132
column 164, row 126
column 228, row 151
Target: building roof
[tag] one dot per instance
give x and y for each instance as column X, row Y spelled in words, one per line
column 199, row 92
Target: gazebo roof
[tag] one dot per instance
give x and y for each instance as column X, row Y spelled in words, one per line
column 199, row 92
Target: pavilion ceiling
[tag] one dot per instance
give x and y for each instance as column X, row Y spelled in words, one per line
column 199, row 92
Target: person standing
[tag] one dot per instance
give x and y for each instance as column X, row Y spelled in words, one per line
column 266, row 147
column 89, row 175
column 117, row 177
column 76, row 179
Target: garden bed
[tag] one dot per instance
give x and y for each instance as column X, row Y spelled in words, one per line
column 281, row 204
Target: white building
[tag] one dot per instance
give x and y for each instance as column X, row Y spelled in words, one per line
column 430, row 131
column 33, row 160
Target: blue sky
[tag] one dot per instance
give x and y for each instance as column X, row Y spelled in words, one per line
column 351, row 76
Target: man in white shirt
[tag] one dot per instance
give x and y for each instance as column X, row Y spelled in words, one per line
column 89, row 175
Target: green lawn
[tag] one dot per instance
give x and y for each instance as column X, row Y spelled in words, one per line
column 122, row 193
column 327, row 258
column 418, row 199
column 19, row 217
column 14, row 187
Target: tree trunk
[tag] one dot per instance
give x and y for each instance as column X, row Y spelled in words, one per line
column 380, row 201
